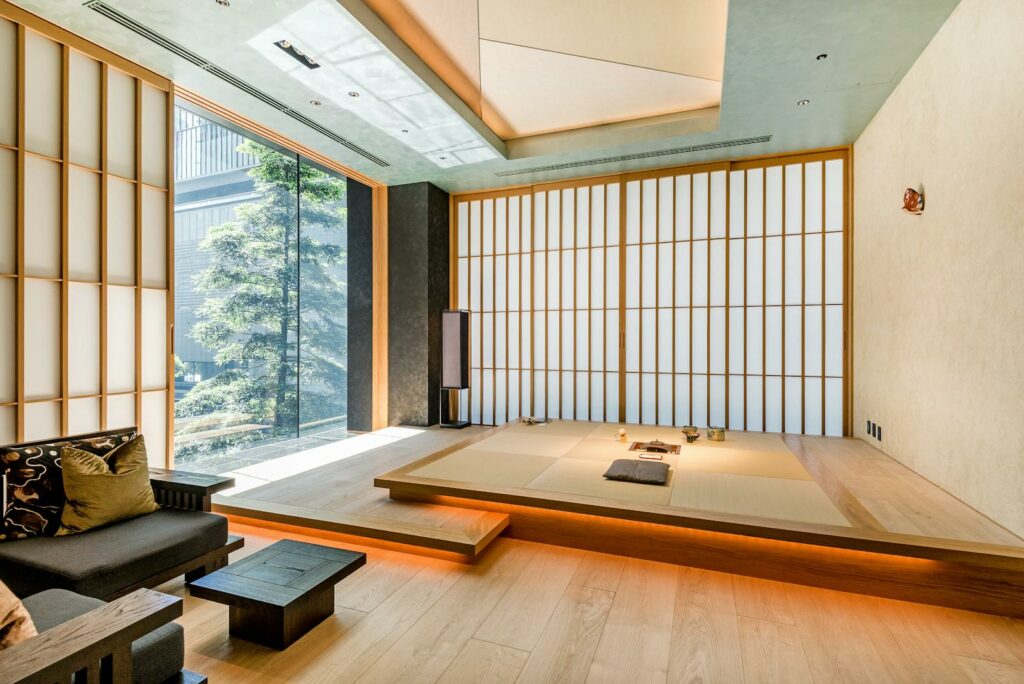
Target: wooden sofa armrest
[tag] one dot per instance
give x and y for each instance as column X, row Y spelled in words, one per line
column 188, row 491
column 81, row 643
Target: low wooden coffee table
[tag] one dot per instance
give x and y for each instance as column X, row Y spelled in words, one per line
column 281, row 592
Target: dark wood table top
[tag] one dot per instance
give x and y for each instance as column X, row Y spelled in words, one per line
column 282, row 573
column 197, row 483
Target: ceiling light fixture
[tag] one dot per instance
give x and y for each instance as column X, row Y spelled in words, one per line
column 297, row 54
column 353, row 93
column 223, row 3
column 315, row 103
column 803, row 103
column 405, row 130
column 822, row 56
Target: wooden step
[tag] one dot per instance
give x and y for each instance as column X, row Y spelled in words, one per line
column 459, row 531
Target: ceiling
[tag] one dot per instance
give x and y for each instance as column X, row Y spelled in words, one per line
column 533, row 66
column 585, row 66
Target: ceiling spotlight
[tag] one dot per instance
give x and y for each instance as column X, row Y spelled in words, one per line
column 315, row 103
column 297, row 54
column 353, row 93
column 803, row 103
column 822, row 56
column 405, row 130
column 223, row 3
column 442, row 157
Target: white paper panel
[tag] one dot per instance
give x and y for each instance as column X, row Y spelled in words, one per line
column 8, row 86
column 475, row 348
column 567, row 334
column 554, row 402
column 794, row 326
column 632, row 398
column 567, row 387
column 121, row 411
column 8, row 343
column 474, row 395
column 8, row 424
column 487, row 396
column 665, row 344
column 736, row 334
column 717, row 266
column 512, row 348
column 755, row 389
column 526, row 223
column 737, row 271
column 487, row 283
column 755, row 271
column 737, row 208
column 834, row 268
column 632, row 212
column 611, row 333
column 794, row 269
column 500, row 282
column 794, row 198
column 8, row 203
column 718, row 204
column 773, row 404
column 554, row 339
column 84, row 102
column 812, row 199
column 43, row 66
column 611, row 393
column 540, row 342
column 665, row 408
column 755, row 202
column 474, row 283
column 41, row 338
column 42, row 420
column 632, row 340
column 648, row 214
column 154, row 136
column 597, row 215
column 666, row 197
column 773, row 271
column 812, row 269
column 540, row 403
column 812, row 340
column 597, row 340
column 120, row 339
column 540, row 223
column 120, row 124
column 682, row 341
column 682, row 208
column 682, row 274
column 567, row 279
column 612, row 201
column 512, row 244
column 773, row 201
column 513, row 408
column 611, row 300
column 699, row 399
column 794, row 403
column 716, row 352
column 633, row 277
column 648, row 275
column 463, row 230
column 597, row 278
column 120, row 232
column 755, row 341
column 649, row 339
column 834, row 340
column 487, row 227
column 553, row 284
column 154, row 427
column 154, row 339
column 582, row 332
column 154, row 238
column 84, row 416
column 512, row 287
column 699, row 202
column 42, row 217
column 812, row 406
column 716, row 401
column 500, row 397
column 583, row 217
column 773, row 340
column 682, row 407
column 463, row 302
column 83, row 225
column 699, row 340
column 500, row 342
column 568, row 224
column 700, row 273
column 84, row 330
column 834, row 194
column 833, row 407
column 597, row 396
column 666, row 276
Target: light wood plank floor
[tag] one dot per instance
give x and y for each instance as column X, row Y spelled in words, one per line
column 531, row 613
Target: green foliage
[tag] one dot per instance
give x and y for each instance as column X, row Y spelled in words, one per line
column 251, row 318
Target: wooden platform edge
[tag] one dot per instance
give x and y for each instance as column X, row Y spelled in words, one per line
column 381, row 529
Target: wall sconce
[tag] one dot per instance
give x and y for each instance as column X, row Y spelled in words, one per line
column 913, row 201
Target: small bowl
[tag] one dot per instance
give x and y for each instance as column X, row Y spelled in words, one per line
column 690, row 430
column 691, row 438
column 716, row 434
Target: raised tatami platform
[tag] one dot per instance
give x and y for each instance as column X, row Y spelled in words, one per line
column 827, row 511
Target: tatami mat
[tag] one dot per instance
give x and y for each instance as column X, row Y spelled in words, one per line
column 529, row 443
column 766, row 497
column 583, row 477
column 486, row 467
column 742, row 462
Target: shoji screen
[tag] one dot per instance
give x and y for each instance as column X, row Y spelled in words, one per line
column 726, row 281
column 84, row 257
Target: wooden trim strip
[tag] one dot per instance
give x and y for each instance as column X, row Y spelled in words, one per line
column 20, row 228
column 169, row 275
column 104, row 198
column 65, row 120
column 379, row 411
column 138, row 252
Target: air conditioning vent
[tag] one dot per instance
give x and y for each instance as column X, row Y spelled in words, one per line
column 186, row 54
column 639, row 155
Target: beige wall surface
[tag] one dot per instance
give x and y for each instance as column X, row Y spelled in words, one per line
column 939, row 298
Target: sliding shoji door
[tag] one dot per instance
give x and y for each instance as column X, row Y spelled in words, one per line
column 726, row 281
column 84, row 256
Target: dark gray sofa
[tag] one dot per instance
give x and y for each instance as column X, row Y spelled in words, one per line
column 182, row 538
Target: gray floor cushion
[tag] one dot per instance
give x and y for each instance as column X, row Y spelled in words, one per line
column 156, row 657
column 100, row 562
column 643, row 472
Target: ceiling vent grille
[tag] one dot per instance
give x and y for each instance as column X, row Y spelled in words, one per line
column 189, row 56
column 639, row 155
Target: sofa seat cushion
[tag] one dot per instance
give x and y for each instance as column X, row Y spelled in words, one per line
column 156, row 657
column 107, row 560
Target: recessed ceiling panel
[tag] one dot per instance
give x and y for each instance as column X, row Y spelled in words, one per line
column 538, row 91
column 680, row 36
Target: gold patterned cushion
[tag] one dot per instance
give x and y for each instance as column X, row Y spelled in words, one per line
column 15, row 622
column 100, row 491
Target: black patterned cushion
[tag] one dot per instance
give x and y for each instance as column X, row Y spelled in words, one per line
column 35, row 485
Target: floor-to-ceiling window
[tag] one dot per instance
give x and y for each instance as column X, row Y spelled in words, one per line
column 260, row 298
